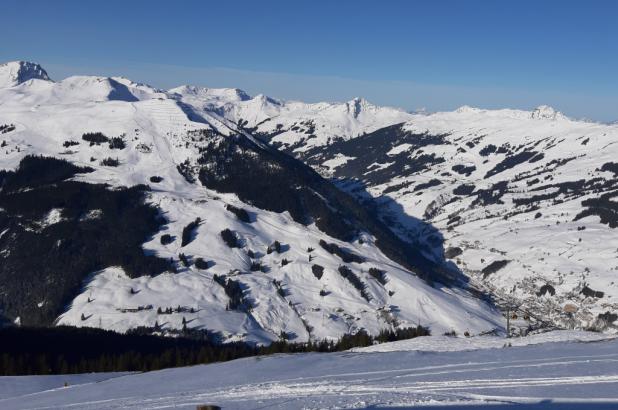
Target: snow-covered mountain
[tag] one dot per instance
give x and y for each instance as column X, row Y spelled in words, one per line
column 17, row 72
column 523, row 201
column 168, row 210
column 292, row 123
column 519, row 204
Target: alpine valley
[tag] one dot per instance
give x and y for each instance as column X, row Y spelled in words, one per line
column 127, row 207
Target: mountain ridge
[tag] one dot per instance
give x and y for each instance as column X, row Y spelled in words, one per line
column 449, row 184
column 17, row 72
column 244, row 270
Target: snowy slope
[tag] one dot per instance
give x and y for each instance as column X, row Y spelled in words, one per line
column 163, row 130
column 18, row 386
column 532, row 189
column 17, row 72
column 557, row 375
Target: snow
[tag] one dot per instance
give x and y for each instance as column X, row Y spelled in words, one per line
column 399, row 149
column 12, row 386
column 16, row 72
column 455, row 344
column 549, row 249
column 547, row 112
column 156, row 123
column 53, row 217
column 222, row 94
column 46, row 114
column 550, row 370
column 549, row 375
column 342, row 311
column 339, row 160
column 318, row 123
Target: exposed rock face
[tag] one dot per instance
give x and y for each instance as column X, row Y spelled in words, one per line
column 17, row 72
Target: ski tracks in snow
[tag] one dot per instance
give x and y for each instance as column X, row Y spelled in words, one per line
column 549, row 373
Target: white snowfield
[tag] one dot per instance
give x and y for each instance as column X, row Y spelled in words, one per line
column 553, row 374
column 156, row 126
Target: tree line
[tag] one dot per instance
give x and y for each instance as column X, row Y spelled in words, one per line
column 64, row 350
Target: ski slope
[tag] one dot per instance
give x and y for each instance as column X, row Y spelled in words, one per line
column 549, row 374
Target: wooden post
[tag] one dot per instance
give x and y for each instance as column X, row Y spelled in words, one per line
column 508, row 321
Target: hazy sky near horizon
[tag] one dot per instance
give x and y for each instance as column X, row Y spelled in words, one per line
column 436, row 55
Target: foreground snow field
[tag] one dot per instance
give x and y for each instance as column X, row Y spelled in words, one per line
column 478, row 372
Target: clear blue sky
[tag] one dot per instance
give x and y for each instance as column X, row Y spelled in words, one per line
column 411, row 54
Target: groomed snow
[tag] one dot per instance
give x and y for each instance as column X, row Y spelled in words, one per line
column 553, row 375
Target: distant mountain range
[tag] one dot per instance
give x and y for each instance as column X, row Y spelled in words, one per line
column 207, row 210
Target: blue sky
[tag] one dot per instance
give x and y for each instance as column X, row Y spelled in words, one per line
column 411, row 54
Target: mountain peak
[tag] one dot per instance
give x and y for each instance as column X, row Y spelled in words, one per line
column 265, row 100
column 360, row 101
column 545, row 112
column 16, row 72
column 230, row 94
column 466, row 109
column 357, row 105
